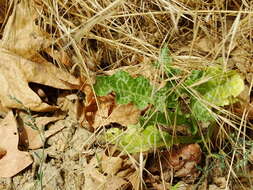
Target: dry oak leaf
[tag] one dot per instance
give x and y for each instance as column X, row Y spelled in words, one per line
column 15, row 74
column 205, row 44
column 183, row 159
column 35, row 135
column 14, row 160
column 103, row 110
column 108, row 112
column 24, row 37
column 21, row 35
column 111, row 165
column 126, row 114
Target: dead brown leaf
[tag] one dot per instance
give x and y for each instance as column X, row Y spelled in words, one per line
column 115, row 183
column 215, row 187
column 242, row 59
column 15, row 75
column 205, row 44
column 3, row 9
column 60, row 56
column 2, row 152
column 245, row 105
column 14, row 160
column 3, row 110
column 180, row 161
column 22, row 40
column 124, row 115
column 21, row 35
column 183, row 159
column 25, row 38
column 135, row 180
column 103, row 110
column 35, row 134
column 220, row 182
column 246, row 108
column 111, row 165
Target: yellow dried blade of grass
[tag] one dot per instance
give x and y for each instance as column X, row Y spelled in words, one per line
column 233, row 33
column 117, row 44
column 102, row 15
column 119, row 29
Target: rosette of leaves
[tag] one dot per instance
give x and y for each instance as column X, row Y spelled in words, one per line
column 219, row 88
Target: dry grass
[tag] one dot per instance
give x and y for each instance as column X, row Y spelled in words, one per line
column 101, row 35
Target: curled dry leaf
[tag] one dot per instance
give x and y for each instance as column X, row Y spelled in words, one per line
column 14, row 160
column 103, row 110
column 108, row 112
column 96, row 180
column 244, row 106
column 183, row 159
column 242, row 59
column 208, row 45
column 25, row 38
column 21, row 35
column 22, row 40
column 251, row 156
column 34, row 134
column 25, row 72
column 220, row 182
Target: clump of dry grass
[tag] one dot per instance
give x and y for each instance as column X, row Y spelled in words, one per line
column 104, row 34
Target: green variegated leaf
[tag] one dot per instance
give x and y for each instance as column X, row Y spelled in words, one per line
column 222, row 89
column 140, row 139
column 127, row 89
column 165, row 61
